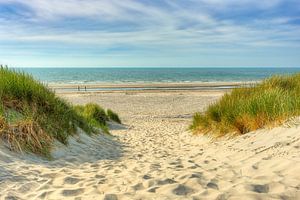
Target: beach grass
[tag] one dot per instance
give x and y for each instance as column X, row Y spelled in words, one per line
column 267, row 104
column 32, row 116
column 113, row 116
column 94, row 114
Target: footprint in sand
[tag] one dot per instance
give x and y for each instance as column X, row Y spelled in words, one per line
column 212, row 185
column 71, row 180
column 147, row 177
column 258, row 188
column 138, row 186
column 166, row 181
column 27, row 187
column 72, row 192
column 110, row 197
column 152, row 189
column 11, row 197
column 182, row 190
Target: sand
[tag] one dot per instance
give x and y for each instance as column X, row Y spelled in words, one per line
column 151, row 85
column 154, row 156
column 147, row 87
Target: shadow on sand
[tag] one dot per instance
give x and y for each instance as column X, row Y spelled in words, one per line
column 81, row 149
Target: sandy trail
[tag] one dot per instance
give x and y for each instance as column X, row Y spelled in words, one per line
column 154, row 156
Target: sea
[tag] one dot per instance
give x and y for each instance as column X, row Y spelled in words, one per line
column 118, row 75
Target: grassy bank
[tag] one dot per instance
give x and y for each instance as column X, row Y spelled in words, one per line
column 96, row 116
column 32, row 116
column 243, row 110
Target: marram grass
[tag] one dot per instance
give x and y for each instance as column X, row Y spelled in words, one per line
column 267, row 104
column 32, row 116
column 96, row 115
column 113, row 116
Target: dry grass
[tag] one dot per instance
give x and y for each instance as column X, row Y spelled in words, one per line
column 26, row 135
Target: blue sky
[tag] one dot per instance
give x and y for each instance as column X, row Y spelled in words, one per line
column 77, row 33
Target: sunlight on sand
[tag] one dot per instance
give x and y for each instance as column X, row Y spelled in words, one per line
column 154, row 156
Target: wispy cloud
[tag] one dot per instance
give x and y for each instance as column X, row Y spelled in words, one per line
column 143, row 28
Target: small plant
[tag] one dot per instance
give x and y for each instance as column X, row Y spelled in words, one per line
column 243, row 110
column 94, row 115
column 113, row 116
column 95, row 112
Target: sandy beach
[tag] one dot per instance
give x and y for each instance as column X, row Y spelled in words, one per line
column 148, row 87
column 153, row 155
column 149, row 100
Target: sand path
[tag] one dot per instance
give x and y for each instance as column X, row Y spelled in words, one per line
column 154, row 156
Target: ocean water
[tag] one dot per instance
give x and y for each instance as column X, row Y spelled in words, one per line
column 152, row 75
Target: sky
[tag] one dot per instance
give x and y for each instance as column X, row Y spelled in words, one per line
column 172, row 33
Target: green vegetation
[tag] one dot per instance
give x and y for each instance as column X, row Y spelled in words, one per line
column 31, row 116
column 94, row 114
column 243, row 110
column 113, row 116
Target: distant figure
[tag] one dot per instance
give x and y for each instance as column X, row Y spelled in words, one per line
column 78, row 88
column 85, row 88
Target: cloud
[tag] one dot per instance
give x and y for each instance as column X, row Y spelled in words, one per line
column 150, row 27
column 263, row 4
column 109, row 10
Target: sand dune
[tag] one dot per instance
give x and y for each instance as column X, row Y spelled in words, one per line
column 154, row 156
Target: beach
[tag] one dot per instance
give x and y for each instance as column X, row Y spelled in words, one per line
column 149, row 100
column 148, row 87
column 153, row 155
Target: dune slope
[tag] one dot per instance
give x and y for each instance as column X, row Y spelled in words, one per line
column 154, row 156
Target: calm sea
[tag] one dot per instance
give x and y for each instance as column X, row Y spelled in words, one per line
column 152, row 75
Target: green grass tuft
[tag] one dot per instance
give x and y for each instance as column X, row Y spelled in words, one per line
column 94, row 114
column 243, row 110
column 113, row 116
